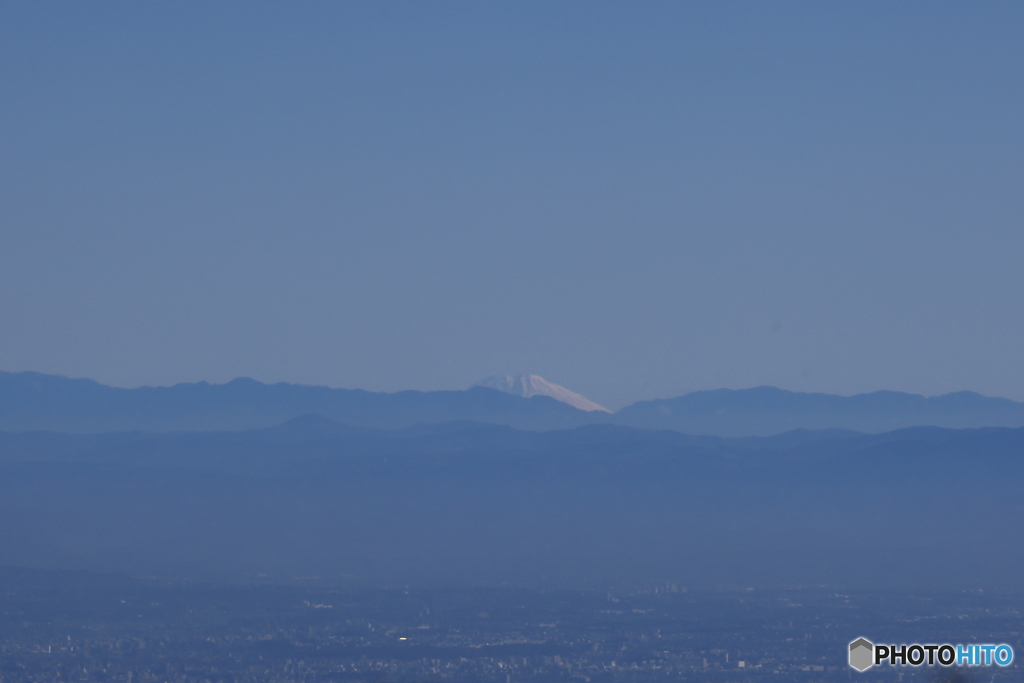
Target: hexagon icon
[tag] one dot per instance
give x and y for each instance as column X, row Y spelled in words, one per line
column 862, row 654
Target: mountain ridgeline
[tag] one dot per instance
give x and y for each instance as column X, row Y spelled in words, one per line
column 32, row 401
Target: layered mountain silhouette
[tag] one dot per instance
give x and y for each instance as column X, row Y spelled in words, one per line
column 33, row 401
column 472, row 504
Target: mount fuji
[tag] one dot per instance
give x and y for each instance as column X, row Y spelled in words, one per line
column 534, row 385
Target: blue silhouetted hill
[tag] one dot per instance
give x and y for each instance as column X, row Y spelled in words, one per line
column 473, row 504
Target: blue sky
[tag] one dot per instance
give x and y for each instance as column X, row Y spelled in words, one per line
column 634, row 200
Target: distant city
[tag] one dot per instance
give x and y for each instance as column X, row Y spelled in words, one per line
column 66, row 626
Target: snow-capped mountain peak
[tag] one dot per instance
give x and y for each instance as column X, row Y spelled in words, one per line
column 534, row 385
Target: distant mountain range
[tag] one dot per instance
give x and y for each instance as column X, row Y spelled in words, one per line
column 33, row 401
column 250, row 481
column 471, row 504
column 766, row 410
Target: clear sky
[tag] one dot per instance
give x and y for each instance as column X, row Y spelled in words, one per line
column 634, row 200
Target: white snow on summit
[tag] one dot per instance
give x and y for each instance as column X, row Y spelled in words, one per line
column 534, row 385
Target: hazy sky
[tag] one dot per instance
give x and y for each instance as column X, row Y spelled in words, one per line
column 632, row 200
